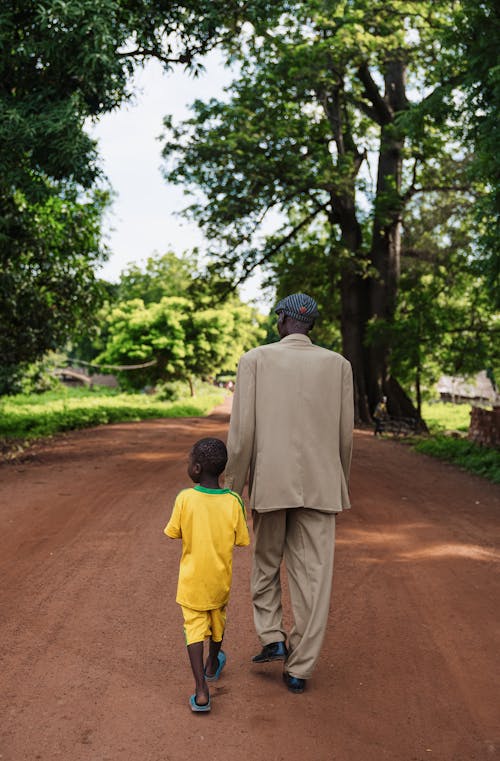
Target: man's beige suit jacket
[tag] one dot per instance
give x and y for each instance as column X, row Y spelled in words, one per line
column 291, row 427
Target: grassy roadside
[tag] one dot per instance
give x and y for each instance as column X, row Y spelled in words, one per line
column 466, row 454
column 445, row 419
column 441, row 417
column 24, row 418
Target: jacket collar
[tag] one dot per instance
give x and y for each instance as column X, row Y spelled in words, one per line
column 296, row 338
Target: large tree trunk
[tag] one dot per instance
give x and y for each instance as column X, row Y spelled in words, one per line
column 386, row 245
column 354, row 307
column 365, row 301
column 354, row 297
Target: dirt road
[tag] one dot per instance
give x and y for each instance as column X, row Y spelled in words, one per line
column 93, row 659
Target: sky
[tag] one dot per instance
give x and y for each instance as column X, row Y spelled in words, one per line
column 144, row 218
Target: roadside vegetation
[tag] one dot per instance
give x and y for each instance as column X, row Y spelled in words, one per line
column 29, row 416
column 464, row 453
column 448, row 425
column 443, row 416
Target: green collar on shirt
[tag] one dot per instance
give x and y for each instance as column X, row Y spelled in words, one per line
column 210, row 491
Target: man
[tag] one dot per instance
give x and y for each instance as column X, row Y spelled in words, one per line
column 379, row 416
column 291, row 429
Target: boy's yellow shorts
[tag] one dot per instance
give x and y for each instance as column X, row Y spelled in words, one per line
column 199, row 624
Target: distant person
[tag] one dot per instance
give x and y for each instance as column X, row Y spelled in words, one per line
column 291, row 428
column 380, row 416
column 210, row 521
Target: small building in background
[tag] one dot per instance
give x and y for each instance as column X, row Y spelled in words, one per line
column 476, row 390
column 102, row 379
column 75, row 377
column 480, row 392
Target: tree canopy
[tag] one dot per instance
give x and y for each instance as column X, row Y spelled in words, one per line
column 48, row 284
column 473, row 59
column 186, row 336
column 361, row 126
column 337, row 121
column 63, row 62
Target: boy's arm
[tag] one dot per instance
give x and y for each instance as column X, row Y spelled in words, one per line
column 241, row 538
column 173, row 527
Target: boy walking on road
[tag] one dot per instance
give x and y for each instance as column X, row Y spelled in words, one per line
column 210, row 521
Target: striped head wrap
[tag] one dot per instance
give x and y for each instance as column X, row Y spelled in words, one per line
column 300, row 306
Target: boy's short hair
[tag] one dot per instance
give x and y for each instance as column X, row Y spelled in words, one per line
column 211, row 454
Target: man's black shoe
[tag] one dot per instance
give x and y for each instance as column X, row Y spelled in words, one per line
column 275, row 651
column 293, row 683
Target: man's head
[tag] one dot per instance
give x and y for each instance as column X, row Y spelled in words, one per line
column 207, row 457
column 296, row 314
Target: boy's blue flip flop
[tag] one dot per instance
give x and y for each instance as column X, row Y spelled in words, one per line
column 221, row 657
column 197, row 708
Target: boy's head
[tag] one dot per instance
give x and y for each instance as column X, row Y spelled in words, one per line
column 208, row 457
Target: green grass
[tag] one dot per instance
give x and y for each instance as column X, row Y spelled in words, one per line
column 458, row 450
column 440, row 416
column 32, row 416
column 466, row 454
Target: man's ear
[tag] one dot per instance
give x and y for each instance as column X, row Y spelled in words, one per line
column 282, row 318
column 197, row 468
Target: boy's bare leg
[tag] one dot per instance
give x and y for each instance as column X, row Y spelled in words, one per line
column 212, row 662
column 195, row 652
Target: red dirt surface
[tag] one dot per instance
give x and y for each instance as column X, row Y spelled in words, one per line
column 93, row 659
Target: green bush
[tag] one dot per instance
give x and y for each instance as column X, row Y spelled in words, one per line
column 34, row 415
column 468, row 455
column 170, row 391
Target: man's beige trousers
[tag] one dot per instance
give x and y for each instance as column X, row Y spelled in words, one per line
column 305, row 539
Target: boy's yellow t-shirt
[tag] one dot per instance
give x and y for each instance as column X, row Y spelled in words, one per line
column 209, row 522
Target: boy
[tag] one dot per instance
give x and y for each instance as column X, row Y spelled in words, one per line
column 210, row 521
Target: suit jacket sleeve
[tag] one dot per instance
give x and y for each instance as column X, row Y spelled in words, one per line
column 346, row 420
column 241, row 427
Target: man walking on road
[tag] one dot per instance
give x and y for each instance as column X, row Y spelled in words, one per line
column 291, row 430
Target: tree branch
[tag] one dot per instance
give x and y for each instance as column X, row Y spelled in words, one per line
column 412, row 188
column 451, row 82
column 338, row 118
column 330, row 101
column 151, row 53
column 368, row 110
column 274, row 249
column 186, row 57
column 112, row 367
column 412, row 191
column 277, row 201
column 382, row 111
